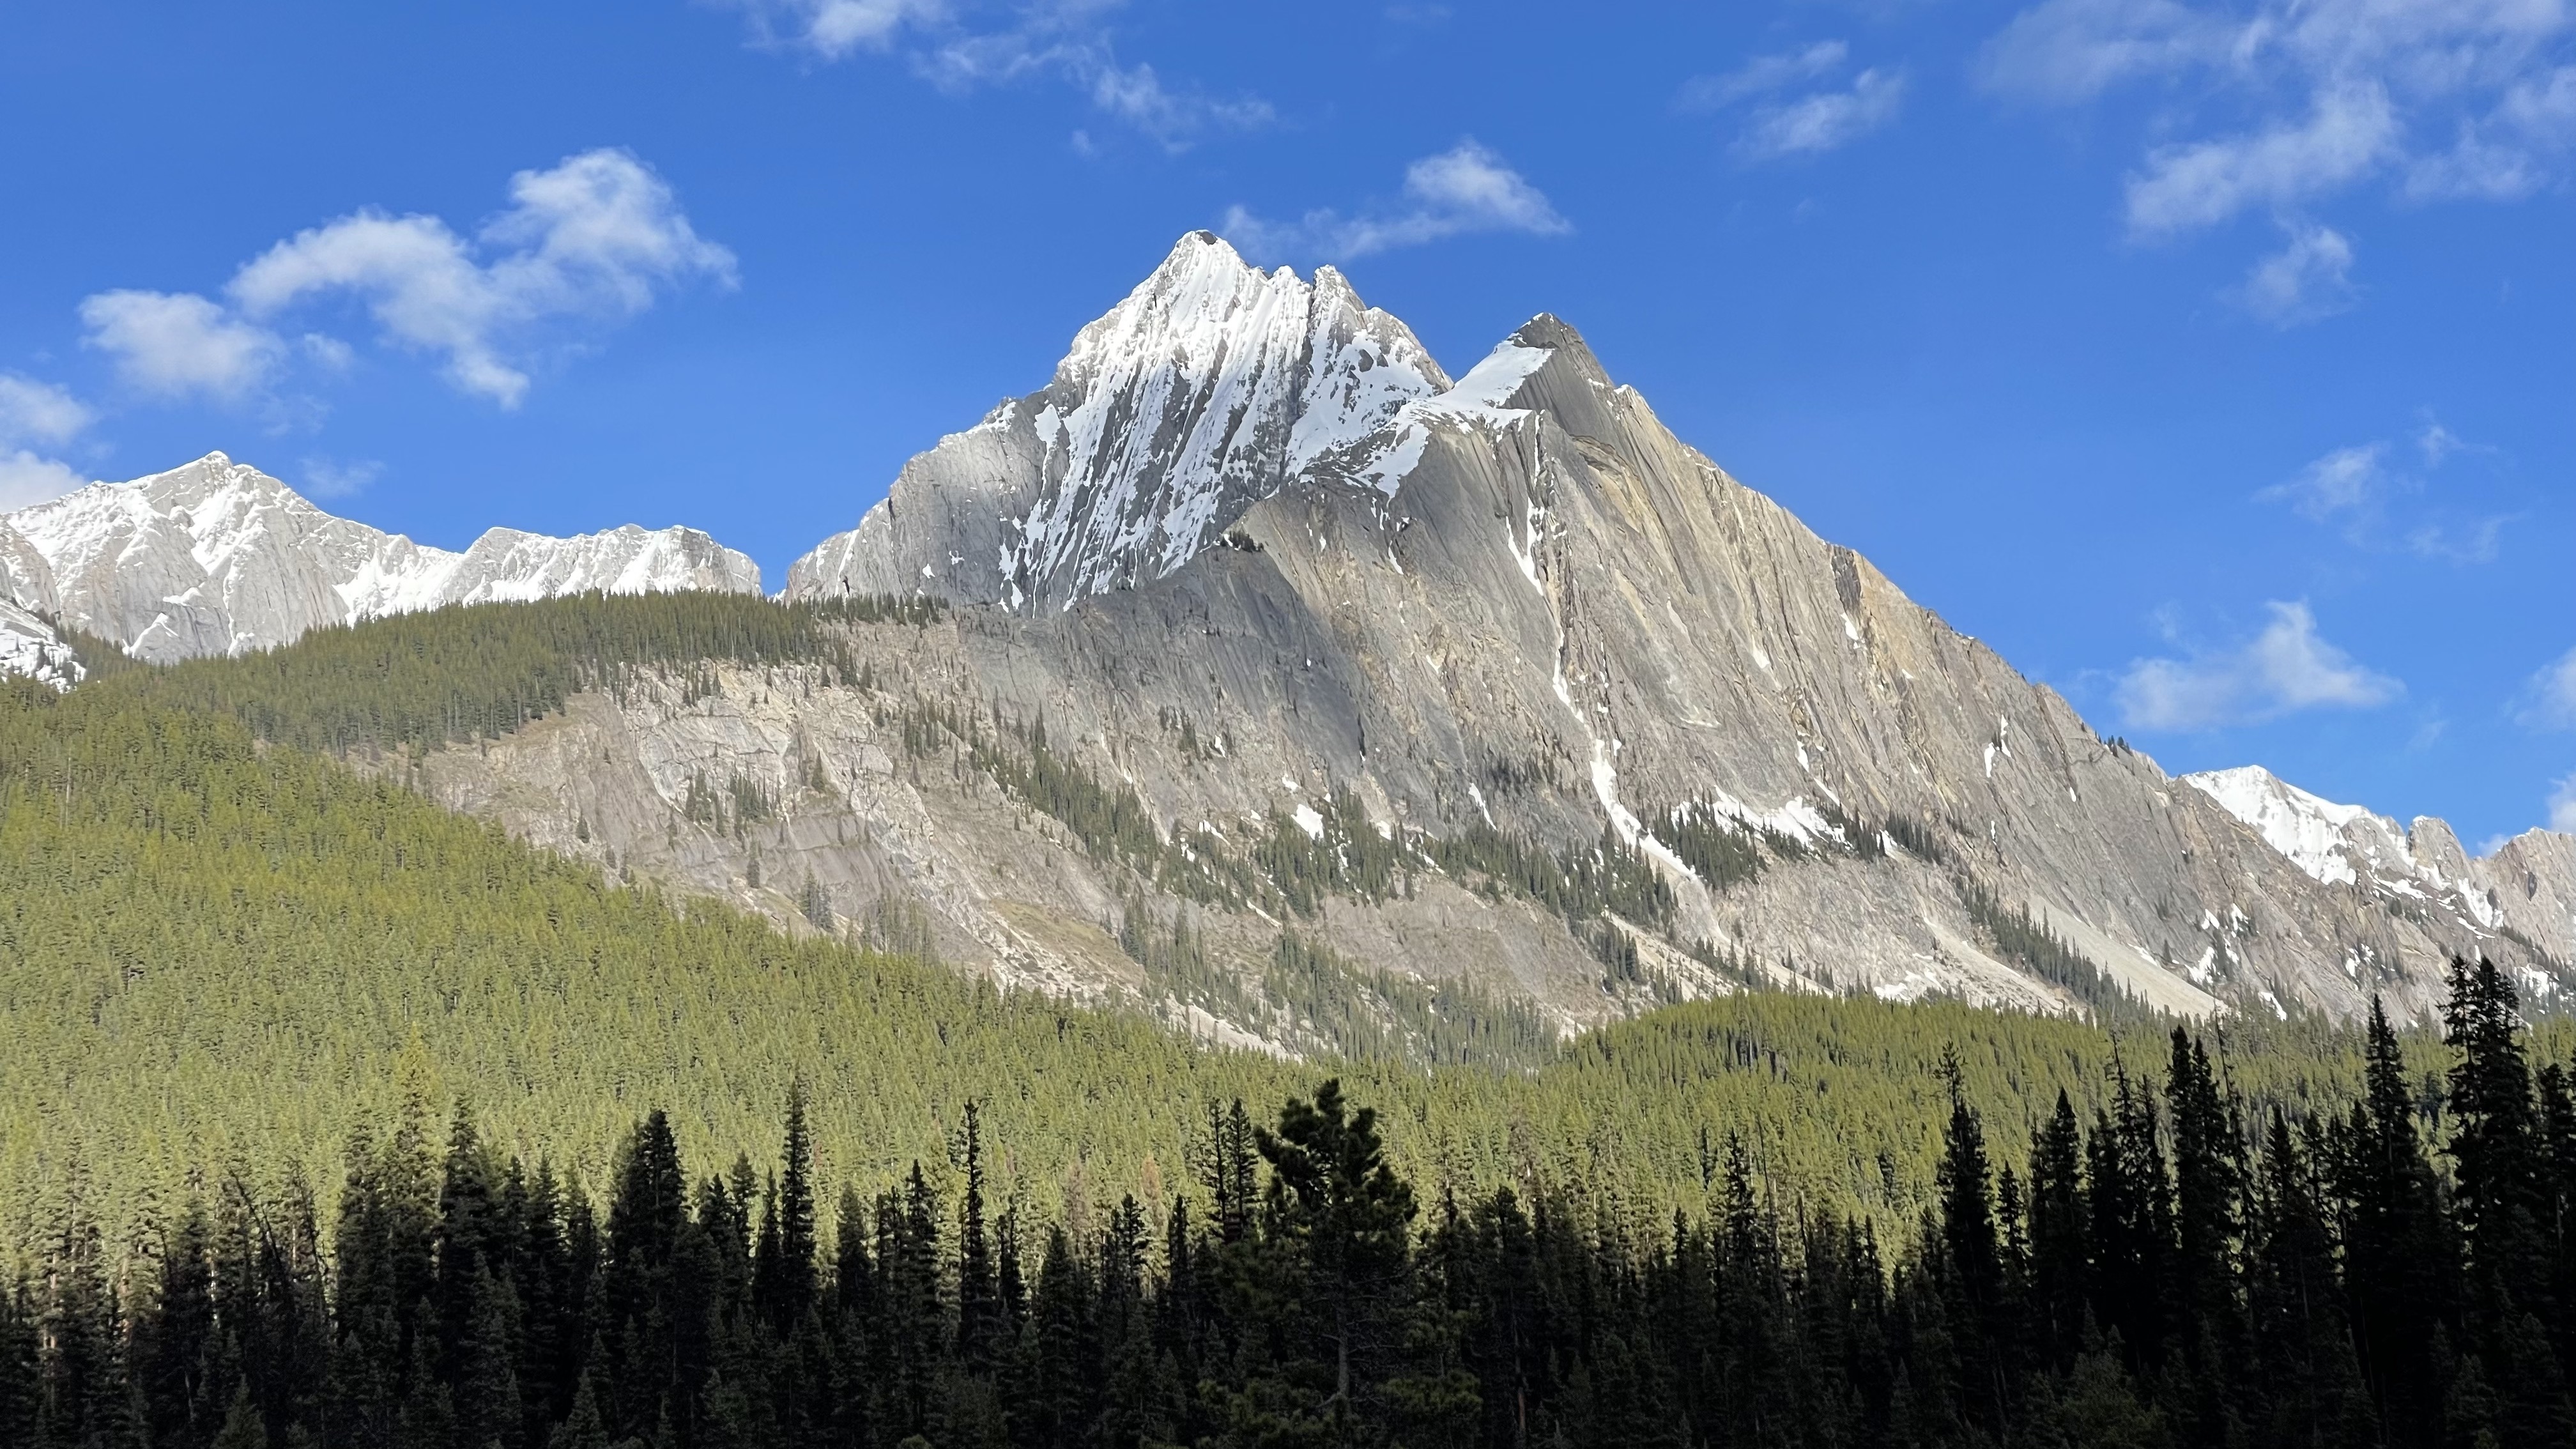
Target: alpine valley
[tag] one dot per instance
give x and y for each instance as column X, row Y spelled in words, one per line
column 1256, row 649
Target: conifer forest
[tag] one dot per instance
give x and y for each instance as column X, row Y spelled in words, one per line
column 2171, row 1269
column 332, row 1118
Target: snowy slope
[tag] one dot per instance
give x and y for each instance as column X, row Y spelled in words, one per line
column 1201, row 393
column 219, row 558
column 2421, row 867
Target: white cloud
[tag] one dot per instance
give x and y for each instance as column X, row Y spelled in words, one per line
column 327, row 478
column 2073, row 50
column 592, row 239
column 1763, row 75
column 1782, row 126
column 2279, row 104
column 832, row 29
column 2284, row 669
column 26, row 479
column 2548, row 701
column 2355, row 489
column 2348, row 132
column 2343, row 482
column 179, row 344
column 2309, row 278
column 38, row 412
column 1464, row 189
column 1825, row 121
column 1066, row 39
column 2562, row 806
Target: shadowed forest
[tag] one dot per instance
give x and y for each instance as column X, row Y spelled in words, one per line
column 2173, row 1271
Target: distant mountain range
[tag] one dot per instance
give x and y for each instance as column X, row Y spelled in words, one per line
column 1254, row 559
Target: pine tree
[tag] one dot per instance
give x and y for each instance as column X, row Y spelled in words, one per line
column 979, row 1300
column 2396, row 1242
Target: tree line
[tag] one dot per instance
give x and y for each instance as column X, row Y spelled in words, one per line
column 2175, row 1271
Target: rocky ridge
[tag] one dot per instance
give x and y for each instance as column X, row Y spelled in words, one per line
column 217, row 557
column 1265, row 643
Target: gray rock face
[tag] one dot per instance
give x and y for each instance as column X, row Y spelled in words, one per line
column 1256, row 574
column 219, row 558
column 1204, row 391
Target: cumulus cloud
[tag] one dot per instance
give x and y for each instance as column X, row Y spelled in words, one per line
column 40, row 413
column 180, row 344
column 592, row 240
column 1464, row 189
column 960, row 45
column 28, row 479
column 2548, row 701
column 2286, row 668
column 1779, row 125
column 2310, row 277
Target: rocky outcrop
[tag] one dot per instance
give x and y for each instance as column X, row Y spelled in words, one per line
column 219, row 558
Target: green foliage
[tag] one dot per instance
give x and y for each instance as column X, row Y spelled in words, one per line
column 478, row 671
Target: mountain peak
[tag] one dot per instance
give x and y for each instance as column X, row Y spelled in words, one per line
column 217, row 557
column 1207, row 388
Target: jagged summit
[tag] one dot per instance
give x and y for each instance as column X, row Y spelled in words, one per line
column 217, row 557
column 1203, row 391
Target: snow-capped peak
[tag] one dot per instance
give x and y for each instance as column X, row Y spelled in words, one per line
column 216, row 557
column 2315, row 833
column 1206, row 389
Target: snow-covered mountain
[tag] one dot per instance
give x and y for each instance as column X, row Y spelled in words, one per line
column 2526, row 886
column 219, row 558
column 1203, row 392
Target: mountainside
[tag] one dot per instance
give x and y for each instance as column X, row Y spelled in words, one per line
column 219, row 558
column 1515, row 621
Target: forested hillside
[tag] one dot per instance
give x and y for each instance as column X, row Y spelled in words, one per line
column 218, row 954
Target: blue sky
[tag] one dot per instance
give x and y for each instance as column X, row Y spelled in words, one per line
column 2215, row 362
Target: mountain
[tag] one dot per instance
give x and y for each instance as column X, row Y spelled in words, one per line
column 1194, row 398
column 219, row 558
column 1258, row 671
column 1254, row 563
column 2525, row 889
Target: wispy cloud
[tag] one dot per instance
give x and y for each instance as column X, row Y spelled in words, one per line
column 2562, row 806
column 2348, row 132
column 2279, row 105
column 1467, row 188
column 2361, row 492
column 2285, row 669
column 2548, row 699
column 331, row 478
column 961, row 45
column 1763, row 75
column 1778, row 124
column 2309, row 278
column 594, row 239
